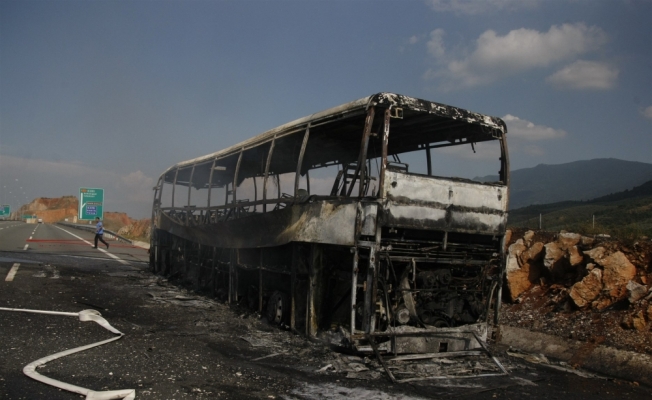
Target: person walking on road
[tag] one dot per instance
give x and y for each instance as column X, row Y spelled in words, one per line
column 99, row 233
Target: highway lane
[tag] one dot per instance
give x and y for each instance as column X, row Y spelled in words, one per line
column 13, row 235
column 57, row 240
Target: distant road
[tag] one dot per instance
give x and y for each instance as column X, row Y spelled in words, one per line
column 58, row 240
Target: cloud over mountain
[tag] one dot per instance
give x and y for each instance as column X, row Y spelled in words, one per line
column 494, row 57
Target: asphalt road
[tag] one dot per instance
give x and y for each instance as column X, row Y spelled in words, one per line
column 57, row 240
column 181, row 345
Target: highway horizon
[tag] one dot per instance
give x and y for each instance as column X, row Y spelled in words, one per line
column 46, row 238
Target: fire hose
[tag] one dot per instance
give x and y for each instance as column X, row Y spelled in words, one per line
column 85, row 315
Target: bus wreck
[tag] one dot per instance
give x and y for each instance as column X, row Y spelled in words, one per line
column 341, row 225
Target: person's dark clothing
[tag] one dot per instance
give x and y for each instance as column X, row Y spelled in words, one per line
column 99, row 234
column 101, row 239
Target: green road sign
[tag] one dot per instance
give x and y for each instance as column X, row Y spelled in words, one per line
column 5, row 210
column 91, row 203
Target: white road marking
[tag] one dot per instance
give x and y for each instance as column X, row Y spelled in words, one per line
column 30, row 238
column 12, row 272
column 26, row 246
column 102, row 250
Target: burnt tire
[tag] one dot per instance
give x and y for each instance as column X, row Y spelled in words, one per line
column 278, row 309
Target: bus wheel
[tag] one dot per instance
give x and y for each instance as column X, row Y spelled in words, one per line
column 278, row 308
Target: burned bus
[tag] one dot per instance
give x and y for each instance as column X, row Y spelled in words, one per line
column 360, row 225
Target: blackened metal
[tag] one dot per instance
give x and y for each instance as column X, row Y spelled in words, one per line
column 192, row 173
column 381, row 183
column 360, row 166
column 269, row 161
column 174, row 184
column 372, row 342
column 235, row 181
column 297, row 176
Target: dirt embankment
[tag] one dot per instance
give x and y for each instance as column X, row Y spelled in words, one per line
column 57, row 209
column 593, row 289
column 126, row 226
column 51, row 209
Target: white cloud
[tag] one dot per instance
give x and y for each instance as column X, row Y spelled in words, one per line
column 436, row 43
column 473, row 7
column 585, row 75
column 647, row 112
column 524, row 129
column 495, row 57
column 413, row 39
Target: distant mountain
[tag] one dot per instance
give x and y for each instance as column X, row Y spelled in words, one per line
column 579, row 180
column 624, row 214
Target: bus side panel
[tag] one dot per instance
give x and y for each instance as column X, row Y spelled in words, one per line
column 325, row 222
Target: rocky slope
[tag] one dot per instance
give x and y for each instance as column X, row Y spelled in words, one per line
column 52, row 210
column 594, row 289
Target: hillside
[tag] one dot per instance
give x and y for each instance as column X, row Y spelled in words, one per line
column 52, row 210
column 579, row 180
column 626, row 214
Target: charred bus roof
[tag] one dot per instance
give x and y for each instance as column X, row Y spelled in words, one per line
column 416, row 121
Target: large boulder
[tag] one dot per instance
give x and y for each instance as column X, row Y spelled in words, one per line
column 554, row 258
column 596, row 254
column 528, row 236
column 575, row 256
column 532, row 254
column 617, row 272
column 517, row 277
column 587, row 241
column 588, row 289
column 523, row 266
column 566, row 240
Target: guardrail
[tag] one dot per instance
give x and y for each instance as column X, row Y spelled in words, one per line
column 91, row 228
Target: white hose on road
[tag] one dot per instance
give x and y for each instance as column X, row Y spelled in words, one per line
column 85, row 315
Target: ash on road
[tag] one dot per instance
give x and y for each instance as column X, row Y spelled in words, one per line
column 180, row 345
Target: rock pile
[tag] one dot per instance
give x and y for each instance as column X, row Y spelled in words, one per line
column 587, row 274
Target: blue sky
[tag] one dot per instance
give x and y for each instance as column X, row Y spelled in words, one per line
column 111, row 93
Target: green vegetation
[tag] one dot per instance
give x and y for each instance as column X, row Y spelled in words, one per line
column 626, row 215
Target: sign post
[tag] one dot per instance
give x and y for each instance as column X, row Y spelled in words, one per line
column 5, row 210
column 91, row 203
